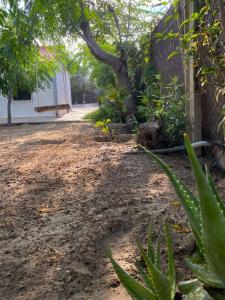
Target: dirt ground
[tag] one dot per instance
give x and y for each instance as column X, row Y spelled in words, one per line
column 67, row 198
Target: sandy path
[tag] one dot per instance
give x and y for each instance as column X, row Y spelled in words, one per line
column 65, row 199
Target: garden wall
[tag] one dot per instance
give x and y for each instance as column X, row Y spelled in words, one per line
column 210, row 110
column 161, row 49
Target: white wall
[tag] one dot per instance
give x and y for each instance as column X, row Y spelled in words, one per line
column 63, row 90
column 25, row 109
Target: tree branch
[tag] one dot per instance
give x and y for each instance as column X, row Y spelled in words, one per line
column 93, row 46
column 112, row 10
column 128, row 23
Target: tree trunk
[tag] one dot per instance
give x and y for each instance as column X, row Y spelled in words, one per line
column 123, row 80
column 10, row 98
column 119, row 65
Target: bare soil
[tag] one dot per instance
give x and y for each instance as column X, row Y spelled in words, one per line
column 68, row 196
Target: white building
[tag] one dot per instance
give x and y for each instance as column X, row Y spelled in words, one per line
column 58, row 93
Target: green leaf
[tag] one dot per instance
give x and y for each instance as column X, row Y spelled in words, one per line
column 150, row 250
column 189, row 286
column 147, row 279
column 188, row 200
column 194, row 290
column 157, row 256
column 212, row 217
column 203, row 10
column 99, row 124
column 173, row 54
column 185, row 22
column 160, row 281
column 105, row 130
column 136, row 290
column 198, row 294
column 171, row 261
column 194, row 16
column 214, row 190
column 205, row 274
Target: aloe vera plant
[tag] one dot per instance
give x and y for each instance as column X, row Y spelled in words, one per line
column 157, row 284
column 206, row 215
column 194, row 290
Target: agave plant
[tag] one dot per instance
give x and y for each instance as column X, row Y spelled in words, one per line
column 206, row 215
column 157, row 284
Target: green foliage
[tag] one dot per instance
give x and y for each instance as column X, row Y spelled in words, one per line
column 115, row 32
column 111, row 107
column 105, row 112
column 166, row 103
column 149, row 98
column 157, row 284
column 25, row 65
column 203, row 43
column 22, row 64
column 116, row 99
column 171, row 111
column 116, row 25
column 104, row 125
column 206, row 215
column 103, row 76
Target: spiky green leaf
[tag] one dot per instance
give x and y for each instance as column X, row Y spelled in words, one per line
column 212, row 217
column 161, row 283
column 214, row 190
column 188, row 200
column 150, row 249
column 204, row 274
column 171, row 261
column 135, row 289
column 158, row 256
column 146, row 278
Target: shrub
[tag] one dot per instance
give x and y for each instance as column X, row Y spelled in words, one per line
column 165, row 103
column 146, row 109
column 111, row 107
column 102, row 113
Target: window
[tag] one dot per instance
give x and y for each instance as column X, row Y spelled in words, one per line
column 22, row 95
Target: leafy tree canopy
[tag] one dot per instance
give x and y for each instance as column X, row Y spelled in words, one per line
column 114, row 31
column 26, row 63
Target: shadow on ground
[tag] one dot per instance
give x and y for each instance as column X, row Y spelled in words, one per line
column 65, row 204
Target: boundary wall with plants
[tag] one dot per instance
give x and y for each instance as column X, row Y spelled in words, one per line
column 210, row 109
column 161, row 49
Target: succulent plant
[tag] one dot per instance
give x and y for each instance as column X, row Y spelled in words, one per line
column 206, row 215
column 157, row 284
